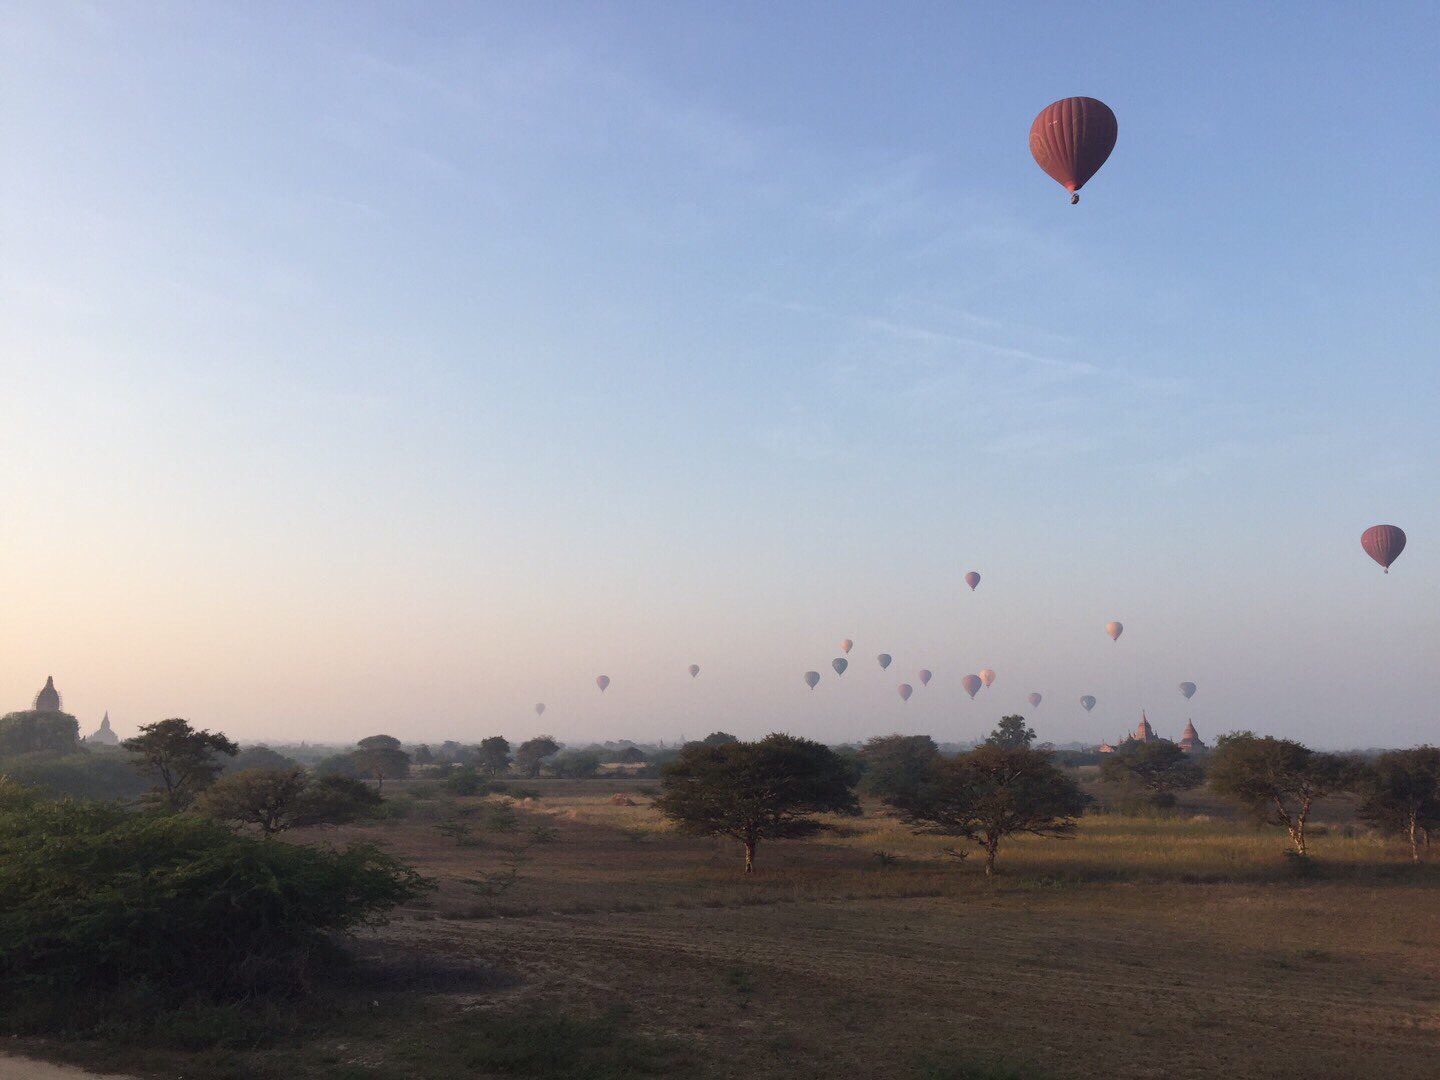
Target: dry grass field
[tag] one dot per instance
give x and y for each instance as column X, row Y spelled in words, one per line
column 1180, row 947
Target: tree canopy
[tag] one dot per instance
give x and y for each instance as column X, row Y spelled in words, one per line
column 180, row 760
column 381, row 763
column 1158, row 767
column 275, row 800
column 753, row 791
column 896, row 763
column 990, row 793
column 1400, row 795
column 38, row 732
column 533, row 751
column 495, row 755
column 1010, row 732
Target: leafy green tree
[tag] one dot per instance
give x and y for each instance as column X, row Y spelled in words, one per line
column 423, row 755
column 533, row 751
column 259, row 757
column 577, row 764
column 379, row 742
column 275, row 800
column 718, row 738
column 1011, row 732
column 1279, row 780
column 338, row 765
column 381, row 763
column 894, row 763
column 1159, row 768
column 180, row 760
column 1400, row 795
column 990, row 793
column 495, row 755
column 631, row 755
column 753, row 791
column 38, row 732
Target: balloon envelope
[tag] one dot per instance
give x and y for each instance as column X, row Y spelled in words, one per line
column 884, row 659
column 1070, row 140
column 539, row 708
column 972, row 579
column 1114, row 629
column 987, row 676
column 1088, row 702
column 839, row 664
column 811, row 678
column 695, row 670
column 602, row 681
column 1188, row 689
column 971, row 685
column 846, row 645
column 1034, row 700
column 924, row 676
column 905, row 690
column 1383, row 543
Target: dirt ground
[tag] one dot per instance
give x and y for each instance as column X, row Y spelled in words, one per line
column 18, row 1068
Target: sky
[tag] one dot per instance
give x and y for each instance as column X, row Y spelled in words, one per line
column 391, row 367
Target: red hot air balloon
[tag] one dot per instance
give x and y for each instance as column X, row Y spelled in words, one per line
column 1034, row 700
column 905, row 690
column 1070, row 140
column 971, row 685
column 1383, row 543
column 924, row 676
column 602, row 681
column 972, row 579
column 811, row 678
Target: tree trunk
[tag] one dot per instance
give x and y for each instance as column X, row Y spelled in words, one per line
column 749, row 856
column 1414, row 840
column 992, row 847
column 379, row 785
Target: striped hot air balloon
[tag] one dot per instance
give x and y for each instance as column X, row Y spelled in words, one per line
column 1070, row 140
column 1383, row 543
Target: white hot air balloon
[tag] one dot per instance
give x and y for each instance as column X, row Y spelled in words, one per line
column 602, row 681
column 694, row 670
column 905, row 690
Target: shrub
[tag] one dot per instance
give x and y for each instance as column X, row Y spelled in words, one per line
column 79, row 776
column 95, row 901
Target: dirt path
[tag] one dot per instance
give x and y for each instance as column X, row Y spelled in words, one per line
column 18, row 1068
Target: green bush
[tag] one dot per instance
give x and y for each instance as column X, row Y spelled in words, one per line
column 465, row 781
column 81, row 775
column 96, row 901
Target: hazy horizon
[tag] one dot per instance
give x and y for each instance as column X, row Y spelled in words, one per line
column 372, row 370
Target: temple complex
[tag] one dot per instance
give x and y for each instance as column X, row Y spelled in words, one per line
column 104, row 736
column 1190, row 741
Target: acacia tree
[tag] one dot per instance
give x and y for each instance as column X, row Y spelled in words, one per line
column 753, row 791
column 1160, row 768
column 894, row 763
column 381, row 762
column 181, row 759
column 495, row 754
column 1010, row 732
column 275, row 800
column 379, row 742
column 990, row 793
column 719, row 738
column 533, row 751
column 1278, row 780
column 1400, row 795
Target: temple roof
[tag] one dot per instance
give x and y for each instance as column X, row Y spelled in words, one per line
column 48, row 700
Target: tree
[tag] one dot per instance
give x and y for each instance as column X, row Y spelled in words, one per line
column 895, row 763
column 259, row 757
column 37, row 732
column 1278, row 779
column 1400, row 795
column 180, row 760
column 577, row 764
column 281, row 799
column 1159, row 767
column 1011, row 732
column 753, row 791
column 338, row 765
column 423, row 755
column 631, row 755
column 533, row 751
column 990, row 793
column 719, row 738
column 495, row 755
column 381, row 763
column 379, row 742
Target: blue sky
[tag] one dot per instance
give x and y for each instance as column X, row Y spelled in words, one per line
column 385, row 366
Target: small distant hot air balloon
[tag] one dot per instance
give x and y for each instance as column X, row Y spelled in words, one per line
column 539, row 708
column 1188, row 689
column 694, row 670
column 839, row 664
column 602, row 681
column 811, row 678
column 987, row 676
column 1114, row 629
column 846, row 645
column 884, row 660
column 1070, row 140
column 1088, row 702
column 972, row 579
column 924, row 675
column 1383, row 543
column 1034, row 700
column 971, row 684
column 905, row 690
